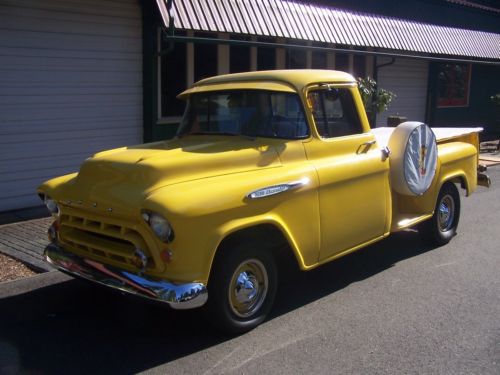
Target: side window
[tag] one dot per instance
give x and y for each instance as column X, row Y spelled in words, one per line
column 288, row 120
column 334, row 112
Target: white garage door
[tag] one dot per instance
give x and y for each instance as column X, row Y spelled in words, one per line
column 70, row 85
column 408, row 80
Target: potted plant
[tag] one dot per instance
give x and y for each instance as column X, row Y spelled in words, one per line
column 375, row 99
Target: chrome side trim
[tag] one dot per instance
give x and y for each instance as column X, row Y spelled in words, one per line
column 178, row 296
column 277, row 189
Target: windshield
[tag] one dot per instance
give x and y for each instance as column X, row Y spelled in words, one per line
column 254, row 113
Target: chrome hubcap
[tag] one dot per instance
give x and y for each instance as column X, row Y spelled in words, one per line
column 248, row 288
column 446, row 213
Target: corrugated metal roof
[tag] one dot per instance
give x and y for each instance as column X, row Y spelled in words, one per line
column 298, row 20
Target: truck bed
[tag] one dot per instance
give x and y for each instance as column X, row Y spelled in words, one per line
column 442, row 134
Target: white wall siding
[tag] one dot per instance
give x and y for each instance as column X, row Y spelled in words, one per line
column 70, row 85
column 408, row 80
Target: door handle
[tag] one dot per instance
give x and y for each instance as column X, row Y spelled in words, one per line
column 386, row 152
column 364, row 147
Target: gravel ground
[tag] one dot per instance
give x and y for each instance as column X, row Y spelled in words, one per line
column 11, row 269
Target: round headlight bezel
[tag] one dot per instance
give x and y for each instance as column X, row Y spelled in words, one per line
column 159, row 226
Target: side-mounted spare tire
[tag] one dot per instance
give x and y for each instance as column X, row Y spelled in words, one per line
column 413, row 158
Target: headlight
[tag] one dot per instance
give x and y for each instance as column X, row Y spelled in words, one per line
column 159, row 225
column 51, row 205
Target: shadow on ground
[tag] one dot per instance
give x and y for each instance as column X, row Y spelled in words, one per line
column 75, row 327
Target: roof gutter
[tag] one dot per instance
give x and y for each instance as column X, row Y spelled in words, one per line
column 187, row 39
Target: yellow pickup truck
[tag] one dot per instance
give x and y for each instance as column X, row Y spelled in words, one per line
column 265, row 167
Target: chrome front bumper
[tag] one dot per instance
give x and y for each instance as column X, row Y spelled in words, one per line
column 178, row 296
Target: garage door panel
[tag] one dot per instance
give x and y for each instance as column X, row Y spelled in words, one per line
column 408, row 80
column 20, row 201
column 71, row 53
column 30, row 181
column 90, row 145
column 64, row 136
column 38, row 76
column 39, row 13
column 57, row 125
column 45, row 112
column 21, row 166
column 9, row 90
column 70, row 86
column 73, row 124
column 86, row 100
column 67, row 64
column 116, row 9
column 54, row 25
column 35, row 39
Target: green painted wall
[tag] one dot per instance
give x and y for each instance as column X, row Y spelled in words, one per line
column 484, row 82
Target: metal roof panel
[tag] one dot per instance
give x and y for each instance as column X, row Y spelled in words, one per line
column 279, row 25
column 250, row 18
column 260, row 16
column 311, row 22
column 181, row 20
column 306, row 27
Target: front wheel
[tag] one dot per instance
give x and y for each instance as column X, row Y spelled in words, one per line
column 440, row 229
column 241, row 289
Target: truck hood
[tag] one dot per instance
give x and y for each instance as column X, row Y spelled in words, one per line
column 124, row 177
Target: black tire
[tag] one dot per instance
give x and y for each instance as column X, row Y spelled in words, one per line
column 235, row 310
column 442, row 227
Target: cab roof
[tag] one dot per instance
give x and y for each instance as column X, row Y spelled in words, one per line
column 293, row 79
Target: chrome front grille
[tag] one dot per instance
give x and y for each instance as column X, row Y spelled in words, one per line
column 100, row 238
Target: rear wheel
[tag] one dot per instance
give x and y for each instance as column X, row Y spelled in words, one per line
column 241, row 289
column 441, row 228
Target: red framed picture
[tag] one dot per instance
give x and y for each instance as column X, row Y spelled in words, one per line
column 453, row 85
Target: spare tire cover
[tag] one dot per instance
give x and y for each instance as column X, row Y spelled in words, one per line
column 413, row 158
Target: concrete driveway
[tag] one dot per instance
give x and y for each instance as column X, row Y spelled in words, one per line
column 397, row 307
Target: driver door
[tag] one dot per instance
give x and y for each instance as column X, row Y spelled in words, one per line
column 354, row 192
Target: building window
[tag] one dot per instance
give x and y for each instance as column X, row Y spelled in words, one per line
column 173, row 70
column 318, row 60
column 296, row 58
column 266, row 57
column 453, row 85
column 342, row 62
column 239, row 56
column 359, row 66
column 205, row 58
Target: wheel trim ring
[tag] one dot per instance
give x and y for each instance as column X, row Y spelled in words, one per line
column 244, row 302
column 446, row 213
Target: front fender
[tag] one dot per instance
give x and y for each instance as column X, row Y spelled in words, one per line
column 204, row 212
column 54, row 186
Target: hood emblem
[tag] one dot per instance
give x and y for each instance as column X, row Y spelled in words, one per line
column 94, row 204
